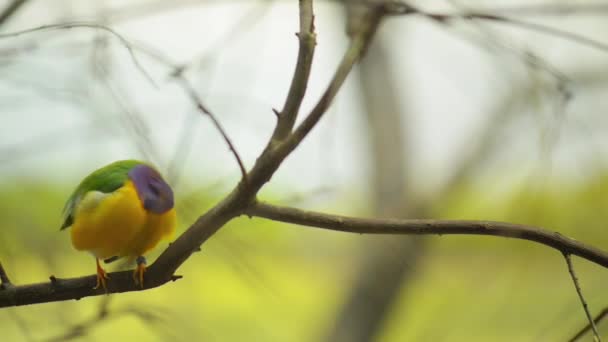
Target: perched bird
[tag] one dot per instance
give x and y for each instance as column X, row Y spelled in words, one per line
column 123, row 209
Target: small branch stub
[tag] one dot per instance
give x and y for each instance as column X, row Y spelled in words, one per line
column 5, row 282
column 276, row 113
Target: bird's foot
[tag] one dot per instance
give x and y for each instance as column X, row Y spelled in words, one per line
column 102, row 278
column 138, row 274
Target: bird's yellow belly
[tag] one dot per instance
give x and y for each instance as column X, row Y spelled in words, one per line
column 116, row 224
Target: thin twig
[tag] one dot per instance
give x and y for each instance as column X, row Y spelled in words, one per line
column 183, row 146
column 577, row 286
column 551, row 9
column 10, row 10
column 573, row 37
column 297, row 90
column 489, row 15
column 177, row 73
column 70, row 25
column 586, row 329
column 200, row 106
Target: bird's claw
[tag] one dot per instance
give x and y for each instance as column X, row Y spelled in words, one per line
column 102, row 278
column 138, row 273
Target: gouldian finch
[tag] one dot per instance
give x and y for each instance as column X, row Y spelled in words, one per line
column 123, row 209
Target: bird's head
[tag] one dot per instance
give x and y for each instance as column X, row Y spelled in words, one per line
column 154, row 193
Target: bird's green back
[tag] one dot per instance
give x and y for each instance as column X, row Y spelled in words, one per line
column 106, row 179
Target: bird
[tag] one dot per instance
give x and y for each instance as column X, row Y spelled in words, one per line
column 123, row 209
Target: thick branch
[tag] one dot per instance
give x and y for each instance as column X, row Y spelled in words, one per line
column 551, row 239
column 74, row 288
column 297, row 90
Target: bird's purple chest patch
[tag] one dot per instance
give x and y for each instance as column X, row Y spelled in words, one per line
column 154, row 193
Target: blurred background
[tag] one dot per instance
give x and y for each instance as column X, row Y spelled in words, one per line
column 467, row 119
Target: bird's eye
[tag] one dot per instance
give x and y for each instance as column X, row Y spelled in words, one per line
column 155, row 188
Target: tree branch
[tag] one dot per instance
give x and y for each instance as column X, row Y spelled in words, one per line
column 297, row 90
column 548, row 9
column 358, row 43
column 200, row 106
column 96, row 26
column 490, row 15
column 577, row 286
column 233, row 205
column 10, row 10
column 586, row 329
column 551, row 239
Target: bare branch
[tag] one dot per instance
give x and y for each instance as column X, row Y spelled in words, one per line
column 586, row 329
column 552, row 9
column 596, row 335
column 358, row 43
column 551, row 239
column 297, row 90
column 161, row 271
column 490, row 15
column 71, row 25
column 10, row 10
column 177, row 71
column 573, row 37
column 199, row 105
column 76, row 288
column 233, row 205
